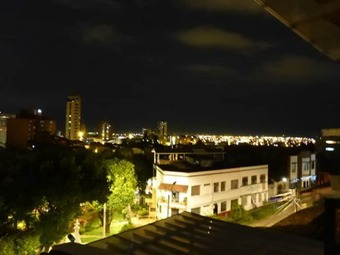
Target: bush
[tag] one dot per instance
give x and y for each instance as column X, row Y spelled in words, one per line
column 19, row 244
column 239, row 215
column 263, row 211
column 127, row 227
column 136, row 207
column 91, row 225
column 143, row 212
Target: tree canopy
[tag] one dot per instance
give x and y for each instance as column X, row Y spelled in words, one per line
column 124, row 183
column 41, row 190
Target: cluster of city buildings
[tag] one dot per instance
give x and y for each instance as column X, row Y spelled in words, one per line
column 256, row 140
column 22, row 129
column 197, row 181
column 184, row 179
column 192, row 179
column 185, row 182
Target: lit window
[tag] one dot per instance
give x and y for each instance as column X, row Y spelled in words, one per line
column 244, row 181
column 195, row 190
column 234, row 184
column 293, row 167
column 216, row 184
column 262, row 178
column 223, row 186
column 223, row 206
column 196, row 210
column 305, row 166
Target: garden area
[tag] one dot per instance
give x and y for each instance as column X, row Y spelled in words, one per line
column 91, row 227
column 240, row 216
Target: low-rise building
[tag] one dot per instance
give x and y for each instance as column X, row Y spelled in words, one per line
column 181, row 186
column 302, row 170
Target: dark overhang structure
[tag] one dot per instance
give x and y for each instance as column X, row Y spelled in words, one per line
column 189, row 233
column 316, row 21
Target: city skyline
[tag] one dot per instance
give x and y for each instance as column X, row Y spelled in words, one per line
column 218, row 67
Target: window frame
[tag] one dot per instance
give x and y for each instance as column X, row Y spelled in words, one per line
column 195, row 190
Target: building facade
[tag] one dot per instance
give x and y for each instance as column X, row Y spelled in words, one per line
column 3, row 127
column 162, row 132
column 302, row 170
column 27, row 127
column 73, row 118
column 105, row 131
column 209, row 192
column 162, row 128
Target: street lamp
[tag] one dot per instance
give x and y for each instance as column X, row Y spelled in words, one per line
column 168, row 211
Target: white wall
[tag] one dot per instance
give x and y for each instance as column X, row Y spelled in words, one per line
column 207, row 197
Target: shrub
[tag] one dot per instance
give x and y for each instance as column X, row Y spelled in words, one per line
column 127, row 227
column 239, row 215
column 143, row 212
column 19, row 244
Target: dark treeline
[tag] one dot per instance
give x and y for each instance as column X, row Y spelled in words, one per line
column 41, row 191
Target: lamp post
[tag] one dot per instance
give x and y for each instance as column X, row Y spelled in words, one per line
column 168, row 211
column 104, row 220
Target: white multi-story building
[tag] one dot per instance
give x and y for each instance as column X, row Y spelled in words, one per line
column 180, row 188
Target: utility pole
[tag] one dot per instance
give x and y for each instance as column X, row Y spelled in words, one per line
column 104, row 220
column 168, row 211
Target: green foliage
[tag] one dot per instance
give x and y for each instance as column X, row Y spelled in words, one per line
column 263, row 211
column 143, row 165
column 90, row 218
column 135, row 207
column 239, row 215
column 124, row 184
column 19, row 243
column 143, row 169
column 143, row 212
column 43, row 189
column 127, row 227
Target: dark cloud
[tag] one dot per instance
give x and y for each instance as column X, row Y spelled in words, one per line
column 100, row 34
column 108, row 5
column 218, row 66
column 298, row 69
column 211, row 37
column 248, row 6
column 211, row 70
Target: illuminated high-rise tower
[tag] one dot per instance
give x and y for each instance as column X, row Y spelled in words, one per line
column 73, row 117
column 162, row 128
column 105, row 131
column 3, row 127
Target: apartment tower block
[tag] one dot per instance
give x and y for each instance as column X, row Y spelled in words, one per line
column 73, row 117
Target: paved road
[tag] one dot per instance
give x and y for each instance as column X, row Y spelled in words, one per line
column 306, row 200
column 292, row 206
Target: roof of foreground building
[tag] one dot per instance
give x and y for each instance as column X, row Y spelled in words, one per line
column 316, row 21
column 189, row 233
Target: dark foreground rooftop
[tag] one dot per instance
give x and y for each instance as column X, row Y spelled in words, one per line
column 189, row 233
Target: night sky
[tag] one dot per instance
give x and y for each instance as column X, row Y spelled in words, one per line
column 217, row 66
